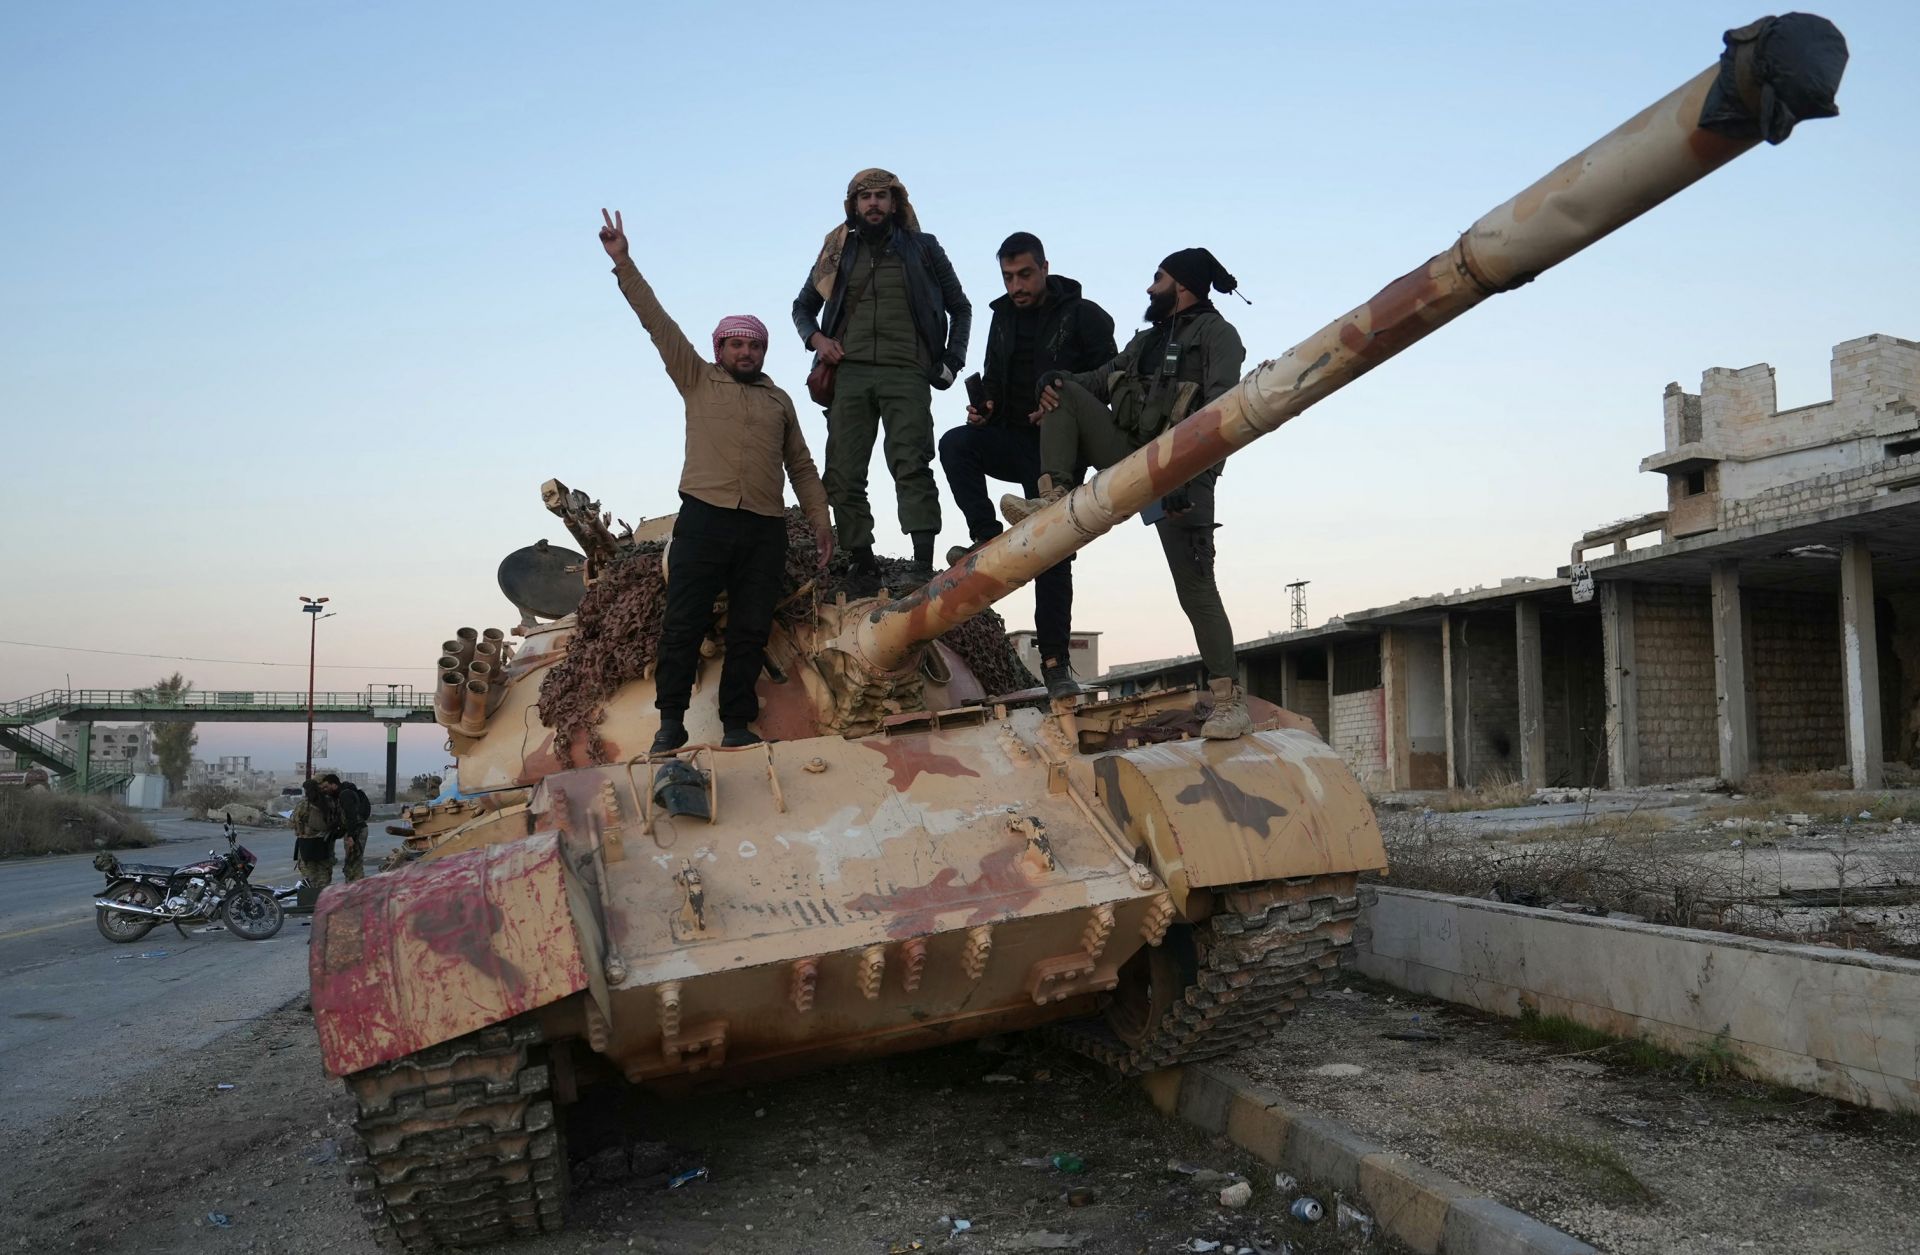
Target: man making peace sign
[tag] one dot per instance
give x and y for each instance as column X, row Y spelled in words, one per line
column 742, row 441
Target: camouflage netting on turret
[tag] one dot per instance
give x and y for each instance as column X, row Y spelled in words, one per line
column 617, row 634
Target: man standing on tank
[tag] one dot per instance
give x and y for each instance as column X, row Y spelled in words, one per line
column 1188, row 355
column 1041, row 325
column 884, row 308
column 743, row 441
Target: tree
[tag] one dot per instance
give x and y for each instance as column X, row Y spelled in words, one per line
column 426, row 785
column 172, row 742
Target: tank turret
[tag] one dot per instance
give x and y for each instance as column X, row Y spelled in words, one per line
column 919, row 855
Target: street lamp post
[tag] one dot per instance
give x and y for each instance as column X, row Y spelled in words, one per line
column 310, row 606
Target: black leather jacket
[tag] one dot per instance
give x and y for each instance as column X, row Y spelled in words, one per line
column 942, row 315
column 1075, row 335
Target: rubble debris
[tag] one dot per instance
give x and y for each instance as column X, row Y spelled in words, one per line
column 1307, row 1209
column 1237, row 1195
column 1346, row 1216
column 688, row 1177
column 1202, row 1176
column 1338, row 1070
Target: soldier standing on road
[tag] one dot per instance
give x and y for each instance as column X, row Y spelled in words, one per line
column 743, row 441
column 313, row 822
column 352, row 808
column 885, row 310
column 1041, row 325
column 1186, row 357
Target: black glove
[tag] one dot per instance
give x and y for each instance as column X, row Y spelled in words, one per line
column 1179, row 501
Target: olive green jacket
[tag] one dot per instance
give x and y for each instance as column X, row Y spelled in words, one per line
column 1144, row 397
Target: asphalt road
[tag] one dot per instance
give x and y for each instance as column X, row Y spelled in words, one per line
column 78, row 1012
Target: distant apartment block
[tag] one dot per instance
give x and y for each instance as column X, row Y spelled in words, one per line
column 116, row 746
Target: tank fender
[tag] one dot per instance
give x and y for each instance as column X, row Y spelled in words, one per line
column 1266, row 806
column 401, row 961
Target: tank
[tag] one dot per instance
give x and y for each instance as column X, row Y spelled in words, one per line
column 916, row 857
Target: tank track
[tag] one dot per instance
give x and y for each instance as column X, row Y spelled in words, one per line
column 461, row 1143
column 1254, row 960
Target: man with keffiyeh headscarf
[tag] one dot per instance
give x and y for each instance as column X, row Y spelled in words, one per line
column 883, row 306
column 743, row 441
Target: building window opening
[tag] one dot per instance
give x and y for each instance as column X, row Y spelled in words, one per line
column 1696, row 483
column 1901, row 448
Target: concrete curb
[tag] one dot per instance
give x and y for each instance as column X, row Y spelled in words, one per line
column 1412, row 1203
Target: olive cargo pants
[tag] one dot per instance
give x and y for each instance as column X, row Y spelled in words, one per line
column 864, row 397
column 1082, row 432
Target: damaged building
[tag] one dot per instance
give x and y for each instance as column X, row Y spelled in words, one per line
column 1768, row 619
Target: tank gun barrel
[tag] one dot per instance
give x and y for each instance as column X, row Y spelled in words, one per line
column 1694, row 130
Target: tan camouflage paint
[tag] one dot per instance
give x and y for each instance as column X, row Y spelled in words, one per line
column 968, row 871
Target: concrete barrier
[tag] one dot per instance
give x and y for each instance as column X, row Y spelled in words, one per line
column 1428, row 1213
column 1836, row 1022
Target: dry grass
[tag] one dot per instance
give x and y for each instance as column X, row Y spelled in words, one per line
column 35, row 821
column 1498, row 791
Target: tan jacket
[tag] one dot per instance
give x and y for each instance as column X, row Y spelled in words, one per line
column 743, row 439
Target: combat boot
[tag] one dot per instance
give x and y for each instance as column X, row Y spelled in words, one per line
column 671, row 736
column 1058, row 677
column 1229, row 718
column 738, row 734
column 922, row 556
column 863, row 579
column 959, row 553
column 1013, row 508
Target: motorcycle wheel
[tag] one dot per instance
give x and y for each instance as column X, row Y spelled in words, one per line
column 118, row 925
column 253, row 915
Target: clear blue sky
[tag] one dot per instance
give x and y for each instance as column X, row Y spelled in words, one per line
column 306, row 298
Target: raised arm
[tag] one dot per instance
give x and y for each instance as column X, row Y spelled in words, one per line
column 683, row 361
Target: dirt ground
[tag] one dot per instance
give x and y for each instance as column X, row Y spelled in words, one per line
column 860, row 1159
column 1633, row 1160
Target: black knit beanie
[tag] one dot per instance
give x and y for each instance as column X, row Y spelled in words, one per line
column 1196, row 269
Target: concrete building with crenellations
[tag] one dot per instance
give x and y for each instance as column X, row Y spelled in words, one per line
column 1767, row 619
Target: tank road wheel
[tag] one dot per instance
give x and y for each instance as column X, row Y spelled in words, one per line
column 462, row 1142
column 1226, row 982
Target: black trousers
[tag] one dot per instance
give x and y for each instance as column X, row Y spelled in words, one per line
column 971, row 455
column 717, row 550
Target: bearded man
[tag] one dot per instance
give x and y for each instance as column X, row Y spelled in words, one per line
column 1188, row 355
column 884, row 309
column 743, row 441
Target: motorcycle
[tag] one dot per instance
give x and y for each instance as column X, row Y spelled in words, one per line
column 139, row 897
